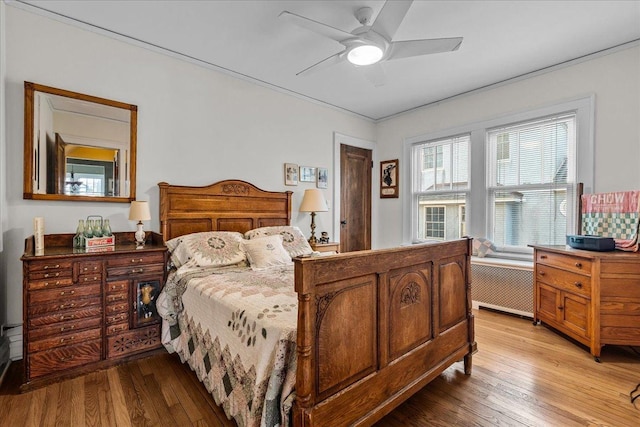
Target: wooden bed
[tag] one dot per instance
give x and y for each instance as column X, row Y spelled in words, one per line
column 374, row 326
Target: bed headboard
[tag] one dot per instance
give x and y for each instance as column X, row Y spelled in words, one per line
column 230, row 205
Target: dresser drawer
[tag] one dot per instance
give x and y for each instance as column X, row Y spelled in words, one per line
column 117, row 329
column 64, row 358
column 117, row 308
column 58, row 264
column 49, row 283
column 135, row 271
column 567, row 262
column 114, row 298
column 117, row 287
column 134, row 341
column 55, row 330
column 64, row 340
column 66, row 304
column 86, row 279
column 64, row 316
column 133, row 260
column 87, row 267
column 117, row 318
column 50, row 275
column 565, row 280
column 64, row 293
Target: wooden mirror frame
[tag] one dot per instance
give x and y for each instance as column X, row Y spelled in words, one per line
column 29, row 167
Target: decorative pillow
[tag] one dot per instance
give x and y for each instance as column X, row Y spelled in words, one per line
column 265, row 252
column 482, row 247
column 292, row 238
column 207, row 249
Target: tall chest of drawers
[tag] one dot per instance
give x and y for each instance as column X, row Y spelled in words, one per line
column 88, row 310
column 593, row 297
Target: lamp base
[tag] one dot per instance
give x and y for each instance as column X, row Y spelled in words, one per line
column 139, row 236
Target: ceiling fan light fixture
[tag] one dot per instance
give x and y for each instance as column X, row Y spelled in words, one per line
column 365, row 54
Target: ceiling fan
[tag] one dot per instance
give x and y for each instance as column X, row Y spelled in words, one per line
column 372, row 43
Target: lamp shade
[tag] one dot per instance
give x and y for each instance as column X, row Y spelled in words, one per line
column 313, row 201
column 139, row 211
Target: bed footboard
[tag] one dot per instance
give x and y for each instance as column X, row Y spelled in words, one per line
column 376, row 326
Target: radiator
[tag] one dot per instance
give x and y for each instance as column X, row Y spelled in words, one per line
column 503, row 285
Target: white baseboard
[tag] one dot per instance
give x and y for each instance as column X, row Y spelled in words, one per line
column 14, row 335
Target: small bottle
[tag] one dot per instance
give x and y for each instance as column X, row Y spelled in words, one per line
column 88, row 230
column 78, row 239
column 106, row 228
column 97, row 228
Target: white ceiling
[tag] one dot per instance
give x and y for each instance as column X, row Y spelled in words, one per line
column 502, row 40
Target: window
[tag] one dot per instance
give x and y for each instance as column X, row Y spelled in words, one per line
column 432, row 157
column 527, row 189
column 441, row 190
column 510, row 179
column 434, row 222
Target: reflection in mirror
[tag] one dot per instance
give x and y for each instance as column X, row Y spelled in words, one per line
column 78, row 147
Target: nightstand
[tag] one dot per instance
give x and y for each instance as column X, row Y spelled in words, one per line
column 326, row 247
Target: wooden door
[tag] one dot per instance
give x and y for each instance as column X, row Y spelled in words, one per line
column 355, row 198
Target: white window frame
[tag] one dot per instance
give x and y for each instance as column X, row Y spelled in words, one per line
column 477, row 207
column 444, row 222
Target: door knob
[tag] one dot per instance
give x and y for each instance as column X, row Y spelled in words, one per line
column 343, row 222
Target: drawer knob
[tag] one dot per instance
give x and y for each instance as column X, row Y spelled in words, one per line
column 63, row 293
column 578, row 285
column 542, row 273
column 560, row 308
column 68, row 317
column 63, row 306
column 51, row 275
column 579, row 264
column 137, row 270
column 543, row 257
column 57, row 282
column 62, row 340
column 46, row 267
column 136, row 260
column 69, row 328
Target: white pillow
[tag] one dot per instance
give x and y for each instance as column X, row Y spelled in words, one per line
column 292, row 238
column 209, row 248
column 265, row 252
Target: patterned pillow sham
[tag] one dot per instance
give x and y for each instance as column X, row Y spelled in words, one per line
column 292, row 238
column 265, row 252
column 207, row 249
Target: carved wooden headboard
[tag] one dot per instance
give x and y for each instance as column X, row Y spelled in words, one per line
column 230, row 205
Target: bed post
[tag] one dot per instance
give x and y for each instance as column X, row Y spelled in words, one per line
column 164, row 196
column 473, row 347
column 304, row 371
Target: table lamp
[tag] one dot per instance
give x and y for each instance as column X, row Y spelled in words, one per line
column 139, row 211
column 313, row 201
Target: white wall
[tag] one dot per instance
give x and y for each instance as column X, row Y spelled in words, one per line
column 195, row 126
column 613, row 78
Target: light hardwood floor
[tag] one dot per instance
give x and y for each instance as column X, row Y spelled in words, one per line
column 523, row 375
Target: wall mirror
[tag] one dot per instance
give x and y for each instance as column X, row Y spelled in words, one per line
column 78, row 147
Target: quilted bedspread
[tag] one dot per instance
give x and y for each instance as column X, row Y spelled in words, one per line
column 236, row 328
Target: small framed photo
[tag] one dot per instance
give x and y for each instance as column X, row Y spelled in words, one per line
column 323, row 178
column 290, row 174
column 307, row 174
column 389, row 174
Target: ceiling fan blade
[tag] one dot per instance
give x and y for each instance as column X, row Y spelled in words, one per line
column 315, row 26
column 375, row 73
column 325, row 63
column 390, row 17
column 406, row 49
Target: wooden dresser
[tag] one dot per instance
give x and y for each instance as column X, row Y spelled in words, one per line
column 593, row 297
column 88, row 310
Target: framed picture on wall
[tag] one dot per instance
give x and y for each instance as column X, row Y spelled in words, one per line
column 323, row 178
column 389, row 174
column 307, row 174
column 290, row 174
